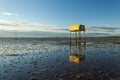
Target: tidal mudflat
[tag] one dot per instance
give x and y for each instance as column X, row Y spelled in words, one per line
column 38, row 59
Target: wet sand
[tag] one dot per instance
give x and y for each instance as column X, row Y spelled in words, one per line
column 36, row 59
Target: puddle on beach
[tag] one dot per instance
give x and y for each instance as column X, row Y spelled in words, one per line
column 48, row 60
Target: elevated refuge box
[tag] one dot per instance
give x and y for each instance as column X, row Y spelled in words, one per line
column 76, row 27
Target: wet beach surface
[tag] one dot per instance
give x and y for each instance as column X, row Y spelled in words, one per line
column 32, row 59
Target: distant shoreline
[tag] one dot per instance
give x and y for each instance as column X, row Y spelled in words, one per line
column 111, row 39
column 66, row 37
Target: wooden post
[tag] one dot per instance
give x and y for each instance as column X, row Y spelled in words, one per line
column 70, row 40
column 79, row 39
column 76, row 39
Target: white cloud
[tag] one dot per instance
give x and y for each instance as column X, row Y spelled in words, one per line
column 23, row 24
column 8, row 14
column 27, row 26
column 46, row 28
column 57, row 30
column 111, row 31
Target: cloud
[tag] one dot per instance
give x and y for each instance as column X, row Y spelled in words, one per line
column 57, row 30
column 45, row 30
column 27, row 26
column 22, row 24
column 8, row 14
column 103, row 29
column 6, row 33
column 49, row 33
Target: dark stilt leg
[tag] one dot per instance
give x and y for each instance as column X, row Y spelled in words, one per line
column 84, row 40
column 76, row 40
column 79, row 41
column 70, row 41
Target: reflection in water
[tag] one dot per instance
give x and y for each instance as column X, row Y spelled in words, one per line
column 76, row 58
column 77, row 55
column 77, row 46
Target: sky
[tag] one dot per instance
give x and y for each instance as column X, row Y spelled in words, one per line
column 51, row 18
